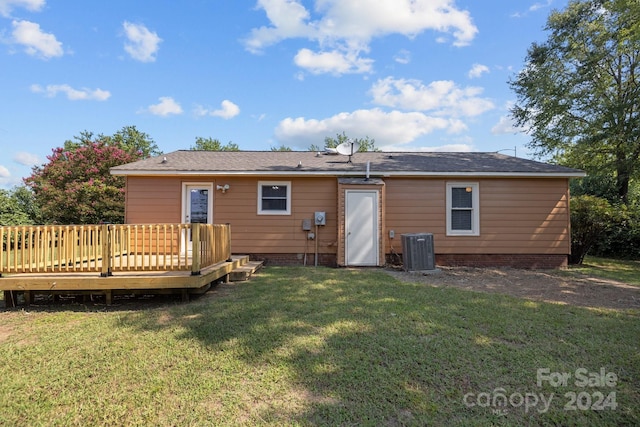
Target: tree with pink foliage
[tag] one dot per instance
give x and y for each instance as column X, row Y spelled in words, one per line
column 76, row 187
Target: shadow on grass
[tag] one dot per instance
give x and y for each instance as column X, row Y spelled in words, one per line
column 344, row 347
column 625, row 271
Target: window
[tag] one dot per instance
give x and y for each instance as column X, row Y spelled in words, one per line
column 463, row 209
column 274, row 198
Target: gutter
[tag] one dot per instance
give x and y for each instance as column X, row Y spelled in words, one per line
column 577, row 174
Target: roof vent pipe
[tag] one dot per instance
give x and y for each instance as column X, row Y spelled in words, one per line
column 368, row 167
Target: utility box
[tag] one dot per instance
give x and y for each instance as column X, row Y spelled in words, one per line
column 418, row 252
column 320, row 218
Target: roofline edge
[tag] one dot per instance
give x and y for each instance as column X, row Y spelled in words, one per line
column 577, row 174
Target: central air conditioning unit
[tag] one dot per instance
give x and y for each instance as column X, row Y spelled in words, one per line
column 417, row 252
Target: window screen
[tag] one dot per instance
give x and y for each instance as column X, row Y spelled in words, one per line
column 274, row 197
column 462, row 206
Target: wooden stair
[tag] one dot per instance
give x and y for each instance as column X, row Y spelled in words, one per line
column 245, row 270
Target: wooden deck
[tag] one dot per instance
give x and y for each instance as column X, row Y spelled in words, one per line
column 113, row 259
column 28, row 285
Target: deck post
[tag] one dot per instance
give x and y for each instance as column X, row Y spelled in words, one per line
column 106, row 251
column 228, row 241
column 195, row 249
column 9, row 299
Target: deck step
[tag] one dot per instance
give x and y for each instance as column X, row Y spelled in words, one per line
column 245, row 271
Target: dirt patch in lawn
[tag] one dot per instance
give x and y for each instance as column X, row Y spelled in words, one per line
column 537, row 285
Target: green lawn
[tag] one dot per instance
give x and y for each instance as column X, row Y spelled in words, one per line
column 621, row 270
column 319, row 346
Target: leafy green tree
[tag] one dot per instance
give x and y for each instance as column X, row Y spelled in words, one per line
column 129, row 139
column 281, row 148
column 366, row 143
column 134, row 141
column 76, row 187
column 210, row 144
column 579, row 92
column 27, row 203
column 591, row 218
column 14, row 209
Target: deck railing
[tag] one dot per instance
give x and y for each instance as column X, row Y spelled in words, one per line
column 113, row 248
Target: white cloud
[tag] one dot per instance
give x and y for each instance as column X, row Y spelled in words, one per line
column 443, row 97
column 288, row 19
column 35, row 41
column 537, row 6
column 403, row 57
column 447, row 148
column 533, row 8
column 348, row 26
column 333, row 62
column 6, row 6
column 167, row 106
column 506, row 125
column 7, row 180
column 83, row 94
column 26, row 159
column 228, row 110
column 142, row 44
column 477, row 70
column 387, row 128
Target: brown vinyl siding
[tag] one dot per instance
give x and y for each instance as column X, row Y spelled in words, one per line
column 518, row 216
column 160, row 200
column 153, row 200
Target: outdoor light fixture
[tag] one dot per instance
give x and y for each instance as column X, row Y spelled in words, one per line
column 224, row 188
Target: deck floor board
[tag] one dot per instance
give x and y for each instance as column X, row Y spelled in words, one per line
column 119, row 280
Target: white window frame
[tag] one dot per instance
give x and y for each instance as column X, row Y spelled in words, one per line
column 475, row 208
column 273, row 212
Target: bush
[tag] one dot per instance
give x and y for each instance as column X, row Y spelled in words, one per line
column 623, row 238
column 591, row 218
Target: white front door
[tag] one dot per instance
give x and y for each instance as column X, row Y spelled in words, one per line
column 361, row 227
column 197, row 206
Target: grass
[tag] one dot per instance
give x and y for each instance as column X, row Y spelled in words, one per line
column 624, row 271
column 316, row 346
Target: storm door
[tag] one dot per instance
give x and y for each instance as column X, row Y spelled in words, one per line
column 197, row 206
column 361, row 227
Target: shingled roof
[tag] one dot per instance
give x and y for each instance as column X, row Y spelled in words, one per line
column 309, row 163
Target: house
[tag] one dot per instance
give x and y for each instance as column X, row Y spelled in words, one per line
column 483, row 209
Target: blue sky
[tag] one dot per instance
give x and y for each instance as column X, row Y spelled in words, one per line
column 413, row 75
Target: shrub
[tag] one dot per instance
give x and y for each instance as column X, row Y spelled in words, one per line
column 591, row 218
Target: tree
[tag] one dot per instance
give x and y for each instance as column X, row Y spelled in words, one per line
column 129, row 139
column 579, row 92
column 133, row 141
column 26, row 201
column 16, row 207
column 366, row 144
column 591, row 218
column 281, row 148
column 76, row 187
column 210, row 144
